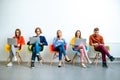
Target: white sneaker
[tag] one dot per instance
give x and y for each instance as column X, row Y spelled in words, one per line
column 15, row 58
column 83, row 65
column 89, row 62
column 9, row 64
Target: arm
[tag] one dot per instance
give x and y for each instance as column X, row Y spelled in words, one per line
column 43, row 41
column 54, row 41
column 72, row 41
column 91, row 41
column 22, row 41
column 65, row 43
column 28, row 43
column 102, row 40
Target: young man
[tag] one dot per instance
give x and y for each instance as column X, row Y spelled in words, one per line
column 37, row 47
column 97, row 41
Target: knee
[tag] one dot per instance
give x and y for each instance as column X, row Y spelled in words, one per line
column 81, row 50
column 102, row 46
column 60, row 47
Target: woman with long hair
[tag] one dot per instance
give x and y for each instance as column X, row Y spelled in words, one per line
column 14, row 48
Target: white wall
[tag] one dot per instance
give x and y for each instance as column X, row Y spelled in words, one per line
column 67, row 15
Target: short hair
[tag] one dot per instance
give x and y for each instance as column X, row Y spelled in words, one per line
column 37, row 29
column 96, row 29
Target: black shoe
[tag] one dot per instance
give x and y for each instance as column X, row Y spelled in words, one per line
column 104, row 65
column 67, row 60
column 111, row 58
column 32, row 65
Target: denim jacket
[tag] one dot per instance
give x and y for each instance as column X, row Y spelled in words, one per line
column 57, row 42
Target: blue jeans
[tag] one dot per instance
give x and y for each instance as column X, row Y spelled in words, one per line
column 36, row 48
column 61, row 50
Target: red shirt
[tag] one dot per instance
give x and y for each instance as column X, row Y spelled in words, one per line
column 20, row 40
column 96, row 39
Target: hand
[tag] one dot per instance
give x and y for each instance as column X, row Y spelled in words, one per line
column 101, row 44
column 41, row 43
column 95, row 44
column 18, row 45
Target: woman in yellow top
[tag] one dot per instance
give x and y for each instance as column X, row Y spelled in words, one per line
column 81, row 48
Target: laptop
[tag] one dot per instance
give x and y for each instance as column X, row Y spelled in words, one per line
column 34, row 39
column 80, row 41
column 12, row 41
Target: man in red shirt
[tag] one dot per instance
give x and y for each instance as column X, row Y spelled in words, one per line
column 97, row 41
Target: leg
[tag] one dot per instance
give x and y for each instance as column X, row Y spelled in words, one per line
column 82, row 58
column 59, row 49
column 33, row 59
column 81, row 55
column 81, row 46
column 85, row 53
column 38, row 48
column 13, row 50
column 104, row 52
column 65, row 54
column 10, row 57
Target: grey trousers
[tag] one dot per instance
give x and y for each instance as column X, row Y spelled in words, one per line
column 12, row 52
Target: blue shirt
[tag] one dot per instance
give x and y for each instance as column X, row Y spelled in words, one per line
column 57, row 42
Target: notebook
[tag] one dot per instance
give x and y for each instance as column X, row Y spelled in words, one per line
column 80, row 41
column 34, row 39
column 12, row 41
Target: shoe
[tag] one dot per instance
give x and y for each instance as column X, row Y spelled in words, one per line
column 111, row 58
column 59, row 66
column 9, row 64
column 104, row 65
column 89, row 62
column 32, row 65
column 15, row 58
column 83, row 65
column 67, row 60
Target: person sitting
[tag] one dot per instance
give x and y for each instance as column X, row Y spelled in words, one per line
column 97, row 41
column 59, row 44
column 81, row 48
column 37, row 47
column 14, row 48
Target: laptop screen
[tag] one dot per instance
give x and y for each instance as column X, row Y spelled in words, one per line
column 80, row 41
column 12, row 41
column 34, row 39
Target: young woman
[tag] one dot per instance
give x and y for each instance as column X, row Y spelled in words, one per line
column 59, row 44
column 81, row 48
column 14, row 48
column 37, row 47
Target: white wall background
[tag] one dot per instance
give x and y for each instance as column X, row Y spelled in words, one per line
column 67, row 15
